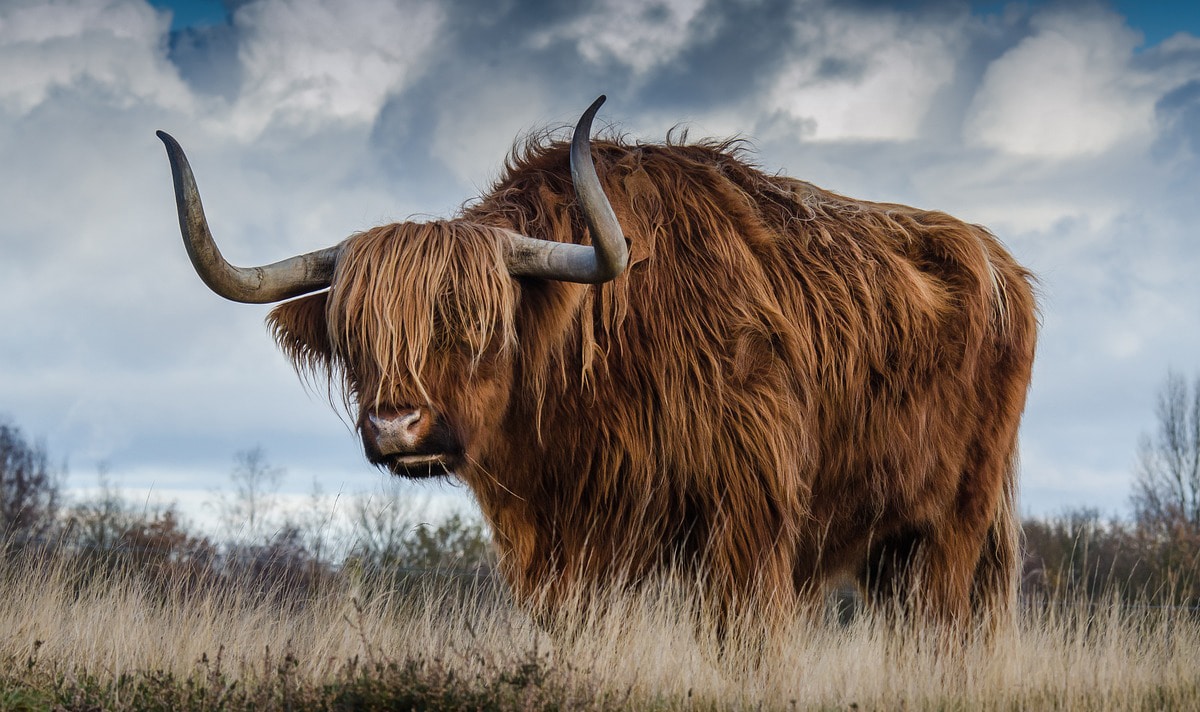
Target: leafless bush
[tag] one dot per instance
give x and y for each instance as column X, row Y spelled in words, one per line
column 29, row 488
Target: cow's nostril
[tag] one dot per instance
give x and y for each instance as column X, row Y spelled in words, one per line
column 409, row 420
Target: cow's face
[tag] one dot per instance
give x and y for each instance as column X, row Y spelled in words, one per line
column 418, row 327
column 418, row 324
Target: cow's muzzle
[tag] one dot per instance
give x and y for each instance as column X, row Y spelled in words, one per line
column 411, row 442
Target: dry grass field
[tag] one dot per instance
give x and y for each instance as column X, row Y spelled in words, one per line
column 69, row 643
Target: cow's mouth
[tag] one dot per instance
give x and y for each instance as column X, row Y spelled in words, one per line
column 414, row 460
column 420, row 466
column 410, row 442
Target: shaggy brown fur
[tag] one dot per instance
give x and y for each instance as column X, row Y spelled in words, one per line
column 786, row 385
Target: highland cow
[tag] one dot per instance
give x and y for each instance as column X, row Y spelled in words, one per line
column 669, row 360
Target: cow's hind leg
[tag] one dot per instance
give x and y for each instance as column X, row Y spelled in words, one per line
column 946, row 572
column 923, row 579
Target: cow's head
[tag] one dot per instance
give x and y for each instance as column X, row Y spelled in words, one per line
column 417, row 320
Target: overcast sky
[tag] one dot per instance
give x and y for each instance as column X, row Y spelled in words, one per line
column 1072, row 130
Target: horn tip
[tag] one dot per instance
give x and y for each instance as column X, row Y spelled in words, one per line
column 596, row 104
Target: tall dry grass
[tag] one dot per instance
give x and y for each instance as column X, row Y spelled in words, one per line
column 57, row 627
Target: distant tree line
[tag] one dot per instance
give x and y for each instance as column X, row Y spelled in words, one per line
column 383, row 541
column 29, row 491
column 1151, row 558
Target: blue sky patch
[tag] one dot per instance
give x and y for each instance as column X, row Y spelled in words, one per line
column 193, row 13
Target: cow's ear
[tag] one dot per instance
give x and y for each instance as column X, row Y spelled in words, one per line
column 299, row 327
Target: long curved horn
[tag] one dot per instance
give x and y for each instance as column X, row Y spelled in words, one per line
column 607, row 256
column 252, row 285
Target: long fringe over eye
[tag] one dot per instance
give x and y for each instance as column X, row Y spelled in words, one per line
column 404, row 291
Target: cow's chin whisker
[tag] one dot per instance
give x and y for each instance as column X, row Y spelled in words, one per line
column 412, row 460
column 420, row 466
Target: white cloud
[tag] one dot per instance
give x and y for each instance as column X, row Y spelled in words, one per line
column 1179, row 42
column 641, row 34
column 115, row 46
column 308, row 63
column 1014, row 193
column 122, row 355
column 474, row 144
column 1066, row 90
column 870, row 76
